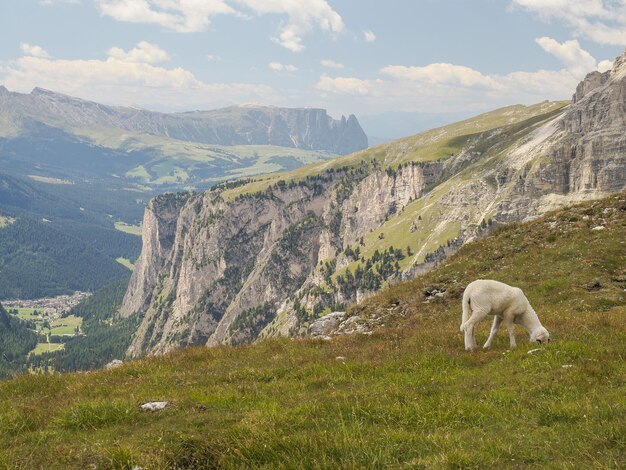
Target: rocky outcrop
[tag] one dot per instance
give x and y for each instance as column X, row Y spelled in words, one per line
column 582, row 153
column 215, row 271
column 232, row 267
column 303, row 128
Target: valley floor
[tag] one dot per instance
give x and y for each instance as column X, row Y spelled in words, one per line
column 406, row 396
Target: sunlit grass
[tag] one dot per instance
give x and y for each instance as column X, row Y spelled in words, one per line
column 128, row 228
column 406, row 396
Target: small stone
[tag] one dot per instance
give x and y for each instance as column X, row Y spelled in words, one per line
column 340, row 358
column 114, row 364
column 566, row 366
column 598, row 228
column 154, row 405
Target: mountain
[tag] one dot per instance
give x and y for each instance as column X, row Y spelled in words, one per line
column 49, row 135
column 70, row 169
column 405, row 395
column 267, row 257
column 303, row 128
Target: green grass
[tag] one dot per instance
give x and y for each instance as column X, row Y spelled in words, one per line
column 128, row 228
column 139, row 172
column 407, row 396
column 60, row 326
column 126, row 262
column 26, row 313
column 66, row 325
column 49, row 180
column 47, row 347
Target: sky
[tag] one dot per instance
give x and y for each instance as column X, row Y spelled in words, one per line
column 396, row 64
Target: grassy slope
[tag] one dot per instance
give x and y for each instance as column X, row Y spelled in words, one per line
column 426, row 146
column 176, row 160
column 406, row 396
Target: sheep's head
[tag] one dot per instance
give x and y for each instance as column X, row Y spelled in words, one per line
column 540, row 335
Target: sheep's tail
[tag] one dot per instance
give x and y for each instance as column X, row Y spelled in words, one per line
column 467, row 309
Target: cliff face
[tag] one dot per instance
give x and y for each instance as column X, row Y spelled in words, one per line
column 216, row 271
column 268, row 257
column 303, row 128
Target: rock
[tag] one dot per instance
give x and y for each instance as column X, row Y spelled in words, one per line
column 592, row 81
column 598, row 228
column 114, row 364
column 593, row 285
column 154, row 405
column 327, row 324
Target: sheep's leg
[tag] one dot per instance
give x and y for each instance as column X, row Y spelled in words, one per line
column 470, row 340
column 511, row 327
column 494, row 329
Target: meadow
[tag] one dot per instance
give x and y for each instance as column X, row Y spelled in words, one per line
column 406, row 395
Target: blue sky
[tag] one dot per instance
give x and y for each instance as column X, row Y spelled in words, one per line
column 382, row 60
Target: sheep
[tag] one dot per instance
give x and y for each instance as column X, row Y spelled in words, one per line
column 506, row 303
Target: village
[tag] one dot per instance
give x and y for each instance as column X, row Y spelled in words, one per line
column 50, row 317
column 53, row 307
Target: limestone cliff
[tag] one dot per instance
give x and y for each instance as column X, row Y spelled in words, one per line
column 252, row 260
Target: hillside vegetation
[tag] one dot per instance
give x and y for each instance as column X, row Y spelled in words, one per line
column 51, row 240
column 405, row 396
column 431, row 145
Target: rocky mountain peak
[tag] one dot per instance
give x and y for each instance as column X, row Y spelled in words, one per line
column 619, row 64
column 595, row 79
column 591, row 82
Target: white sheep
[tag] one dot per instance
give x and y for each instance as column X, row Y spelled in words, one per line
column 485, row 297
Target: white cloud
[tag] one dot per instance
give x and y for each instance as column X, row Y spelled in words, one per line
column 443, row 88
column 578, row 61
column 303, row 16
column 144, row 52
column 605, row 65
column 52, row 2
column 601, row 21
column 369, row 36
column 213, row 57
column 331, row 64
column 443, row 74
column 34, row 51
column 186, row 16
column 120, row 81
column 278, row 67
column 346, row 85
column 183, row 16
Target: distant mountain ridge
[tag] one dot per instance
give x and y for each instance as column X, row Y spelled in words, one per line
column 302, row 128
